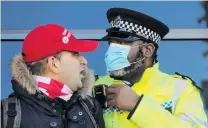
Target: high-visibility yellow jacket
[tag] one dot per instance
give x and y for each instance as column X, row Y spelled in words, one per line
column 167, row 102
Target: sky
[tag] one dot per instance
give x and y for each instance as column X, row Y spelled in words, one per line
column 174, row 56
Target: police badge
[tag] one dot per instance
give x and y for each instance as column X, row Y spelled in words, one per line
column 116, row 22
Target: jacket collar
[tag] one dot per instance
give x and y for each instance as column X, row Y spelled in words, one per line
column 41, row 101
column 154, row 82
column 149, row 75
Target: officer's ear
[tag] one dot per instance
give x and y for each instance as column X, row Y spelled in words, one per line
column 148, row 50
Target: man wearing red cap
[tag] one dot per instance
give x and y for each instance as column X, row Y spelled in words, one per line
column 50, row 83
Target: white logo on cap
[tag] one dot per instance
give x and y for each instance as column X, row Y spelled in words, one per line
column 65, row 40
column 116, row 22
column 68, row 35
column 65, row 31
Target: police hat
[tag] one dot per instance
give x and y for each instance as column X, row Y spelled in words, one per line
column 133, row 25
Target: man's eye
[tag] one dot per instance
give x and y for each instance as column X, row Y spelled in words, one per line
column 76, row 54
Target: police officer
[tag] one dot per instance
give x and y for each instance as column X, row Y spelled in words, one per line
column 139, row 94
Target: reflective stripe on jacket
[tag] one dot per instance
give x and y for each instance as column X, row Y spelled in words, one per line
column 167, row 102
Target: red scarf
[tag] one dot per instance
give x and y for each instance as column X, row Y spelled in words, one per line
column 53, row 88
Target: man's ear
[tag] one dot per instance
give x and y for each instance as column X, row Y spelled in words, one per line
column 148, row 50
column 53, row 65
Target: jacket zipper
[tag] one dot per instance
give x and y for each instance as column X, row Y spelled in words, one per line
column 64, row 118
column 89, row 113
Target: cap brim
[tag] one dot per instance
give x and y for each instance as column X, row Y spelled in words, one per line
column 83, row 45
column 105, row 38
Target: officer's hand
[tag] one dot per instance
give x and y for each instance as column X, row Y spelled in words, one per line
column 122, row 96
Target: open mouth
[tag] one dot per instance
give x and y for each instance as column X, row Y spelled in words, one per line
column 83, row 74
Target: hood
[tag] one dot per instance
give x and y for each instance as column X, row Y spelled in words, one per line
column 26, row 80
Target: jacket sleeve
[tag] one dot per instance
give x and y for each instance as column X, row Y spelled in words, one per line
column 189, row 112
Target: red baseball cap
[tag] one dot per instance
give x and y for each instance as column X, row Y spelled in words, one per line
column 45, row 41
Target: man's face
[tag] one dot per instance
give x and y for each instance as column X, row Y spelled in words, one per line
column 135, row 54
column 72, row 69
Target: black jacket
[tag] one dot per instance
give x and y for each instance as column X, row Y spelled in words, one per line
column 38, row 111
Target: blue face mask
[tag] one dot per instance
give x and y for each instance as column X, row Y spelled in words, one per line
column 116, row 57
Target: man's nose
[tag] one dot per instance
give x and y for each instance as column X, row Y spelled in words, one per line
column 83, row 62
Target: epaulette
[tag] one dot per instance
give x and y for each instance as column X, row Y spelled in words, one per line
column 188, row 78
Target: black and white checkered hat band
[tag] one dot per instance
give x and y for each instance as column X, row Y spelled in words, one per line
column 138, row 29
